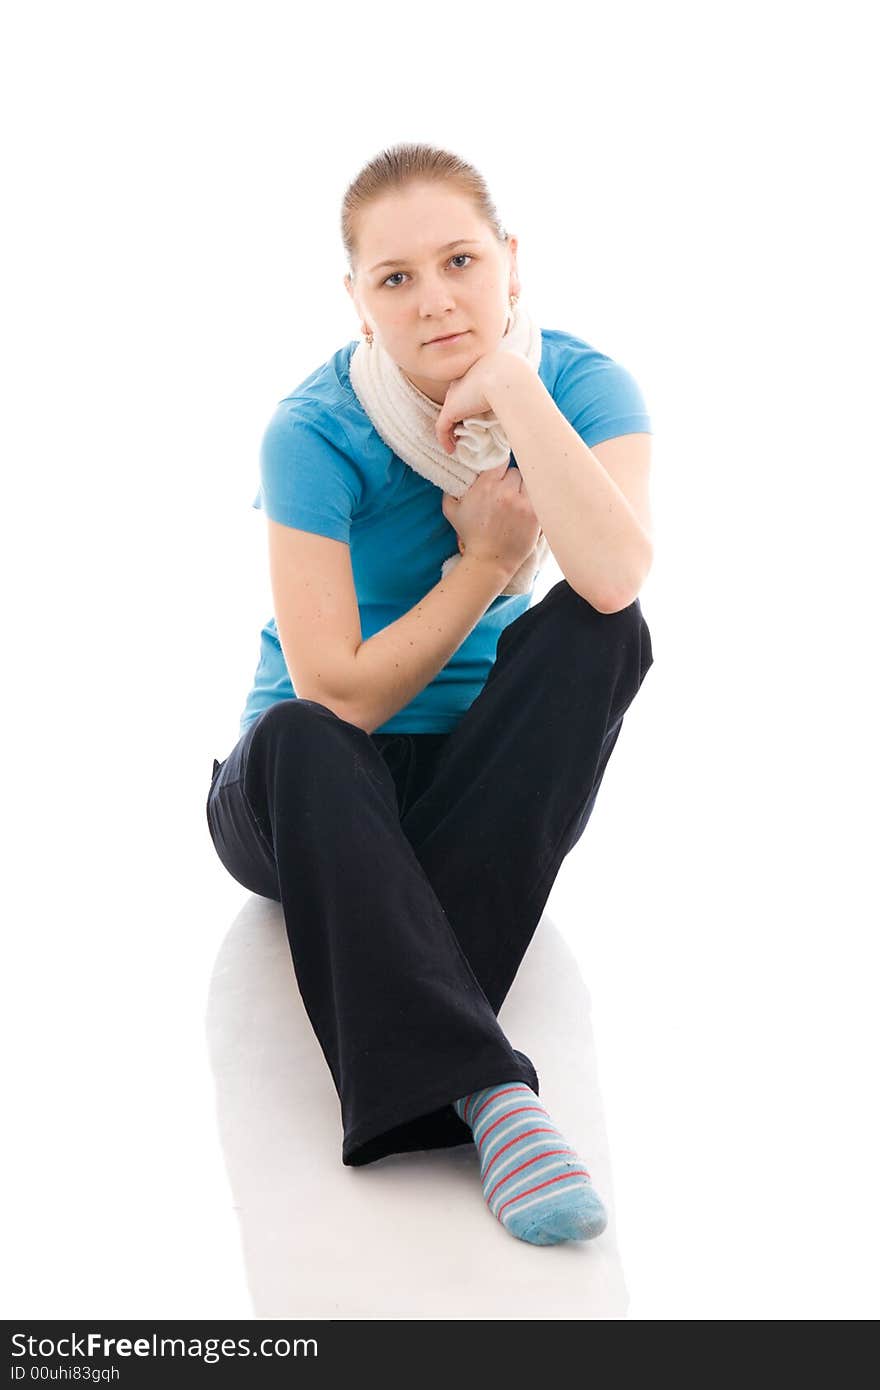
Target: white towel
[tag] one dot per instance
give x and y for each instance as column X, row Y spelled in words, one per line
column 404, row 417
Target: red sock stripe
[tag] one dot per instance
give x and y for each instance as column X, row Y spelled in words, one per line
column 517, row 1139
column 491, row 1101
column 548, row 1153
column 508, row 1114
column 579, row 1173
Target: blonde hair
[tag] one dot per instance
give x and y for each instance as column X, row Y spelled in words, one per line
column 406, row 164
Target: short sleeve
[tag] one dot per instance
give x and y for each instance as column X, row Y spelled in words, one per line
column 600, row 398
column 308, row 478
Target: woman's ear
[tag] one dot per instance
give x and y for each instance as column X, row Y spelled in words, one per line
column 515, row 287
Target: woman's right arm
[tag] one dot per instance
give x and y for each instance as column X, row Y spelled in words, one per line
column 316, row 613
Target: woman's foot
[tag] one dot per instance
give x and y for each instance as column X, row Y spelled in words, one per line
column 532, row 1181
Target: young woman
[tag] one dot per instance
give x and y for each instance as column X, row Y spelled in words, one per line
column 421, row 748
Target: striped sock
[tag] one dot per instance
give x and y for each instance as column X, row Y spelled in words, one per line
column 532, row 1181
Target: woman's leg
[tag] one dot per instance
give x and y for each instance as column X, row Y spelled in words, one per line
column 515, row 783
column 493, row 808
column 305, row 810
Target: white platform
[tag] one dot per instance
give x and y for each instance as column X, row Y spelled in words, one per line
column 409, row 1236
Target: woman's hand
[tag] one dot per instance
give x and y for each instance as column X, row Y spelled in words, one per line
column 494, row 519
column 465, row 396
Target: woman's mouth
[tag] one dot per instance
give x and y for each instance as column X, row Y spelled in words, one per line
column 447, row 342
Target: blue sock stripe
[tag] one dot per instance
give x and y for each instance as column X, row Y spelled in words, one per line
column 495, row 1095
column 518, row 1154
column 522, row 1155
column 557, row 1192
column 532, row 1176
column 504, row 1127
column 493, row 1118
column 512, row 1143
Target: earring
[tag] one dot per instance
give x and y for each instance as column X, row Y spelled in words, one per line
column 514, row 300
column 369, row 338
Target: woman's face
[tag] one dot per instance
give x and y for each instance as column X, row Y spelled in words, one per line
column 435, row 288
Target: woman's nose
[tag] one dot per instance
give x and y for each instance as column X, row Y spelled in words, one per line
column 436, row 299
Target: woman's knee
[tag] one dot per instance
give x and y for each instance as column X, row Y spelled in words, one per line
column 298, row 734
column 293, row 730
column 299, row 716
column 581, row 627
column 584, row 649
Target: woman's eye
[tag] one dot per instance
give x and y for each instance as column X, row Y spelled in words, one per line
column 459, row 256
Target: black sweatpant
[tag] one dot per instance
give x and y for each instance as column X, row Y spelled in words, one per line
column 413, row 869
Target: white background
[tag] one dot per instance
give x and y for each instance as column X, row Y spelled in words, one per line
column 691, row 188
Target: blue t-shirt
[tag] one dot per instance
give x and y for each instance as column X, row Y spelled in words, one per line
column 324, row 468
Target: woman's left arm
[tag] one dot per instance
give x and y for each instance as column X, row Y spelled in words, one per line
column 597, row 525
